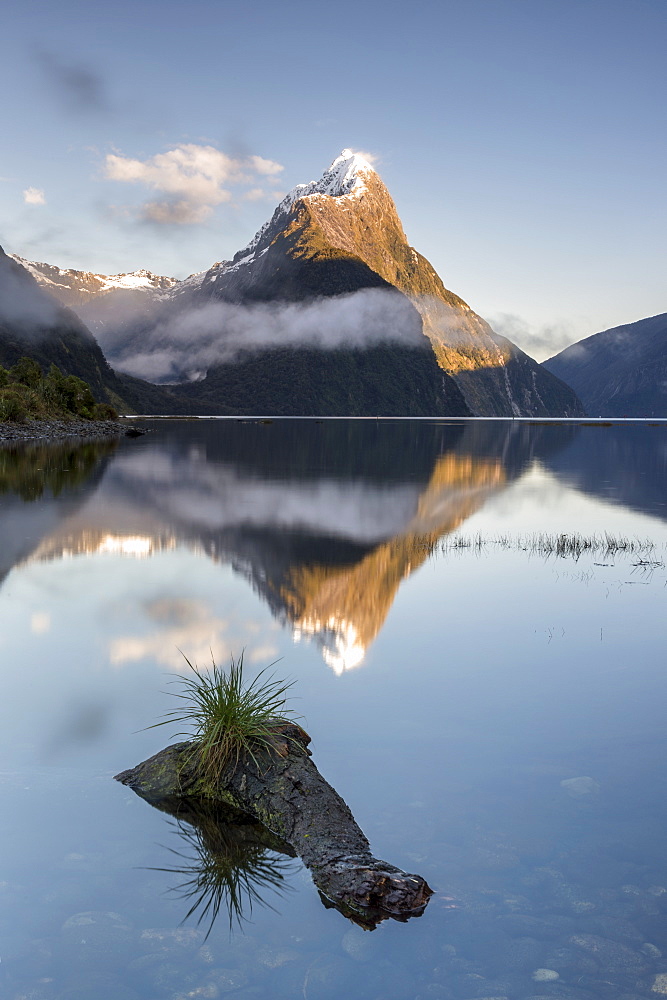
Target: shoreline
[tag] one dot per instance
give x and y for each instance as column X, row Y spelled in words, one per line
column 61, row 430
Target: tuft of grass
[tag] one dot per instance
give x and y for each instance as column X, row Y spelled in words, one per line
column 226, row 716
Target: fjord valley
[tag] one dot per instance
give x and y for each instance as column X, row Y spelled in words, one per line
column 327, row 311
column 333, row 660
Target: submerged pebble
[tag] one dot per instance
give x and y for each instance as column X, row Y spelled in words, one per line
column 579, row 788
column 651, row 950
column 274, row 958
column 475, row 987
column 571, row 961
column 207, row 992
column 95, row 925
column 168, row 938
column 545, row 975
column 218, row 981
column 358, row 945
column 610, row 955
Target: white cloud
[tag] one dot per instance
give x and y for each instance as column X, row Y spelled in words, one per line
column 194, row 179
column 34, row 196
column 263, row 654
column 182, row 345
column 267, row 168
column 181, row 213
column 539, row 341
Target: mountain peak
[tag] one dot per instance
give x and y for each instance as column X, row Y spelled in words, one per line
column 346, row 177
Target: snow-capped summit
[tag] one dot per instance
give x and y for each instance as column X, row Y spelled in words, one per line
column 346, row 177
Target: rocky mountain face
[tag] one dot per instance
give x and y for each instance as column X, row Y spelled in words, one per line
column 341, row 234
column 427, row 352
column 619, row 372
column 386, row 378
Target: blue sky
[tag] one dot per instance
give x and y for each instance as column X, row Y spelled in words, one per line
column 523, row 141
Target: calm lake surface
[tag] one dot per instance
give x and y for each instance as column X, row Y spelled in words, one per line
column 493, row 713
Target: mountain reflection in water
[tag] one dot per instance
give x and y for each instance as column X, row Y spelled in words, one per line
column 41, row 485
column 324, row 520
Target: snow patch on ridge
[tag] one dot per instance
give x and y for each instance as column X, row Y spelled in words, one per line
column 48, row 274
column 191, row 283
column 135, row 280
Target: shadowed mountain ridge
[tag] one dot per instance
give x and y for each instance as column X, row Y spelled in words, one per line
column 619, row 372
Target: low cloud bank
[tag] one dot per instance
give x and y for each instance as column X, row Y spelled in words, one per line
column 185, row 345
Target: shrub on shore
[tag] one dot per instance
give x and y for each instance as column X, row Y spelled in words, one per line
column 27, row 394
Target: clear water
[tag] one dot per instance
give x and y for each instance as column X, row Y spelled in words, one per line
column 450, row 690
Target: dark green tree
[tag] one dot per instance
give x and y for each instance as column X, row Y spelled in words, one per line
column 26, row 371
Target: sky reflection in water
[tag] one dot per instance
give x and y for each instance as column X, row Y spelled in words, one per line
column 449, row 694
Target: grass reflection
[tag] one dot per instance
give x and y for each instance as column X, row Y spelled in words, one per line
column 229, row 863
column 567, row 545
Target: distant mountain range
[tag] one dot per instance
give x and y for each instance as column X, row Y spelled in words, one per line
column 328, row 310
column 620, row 372
column 78, row 289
